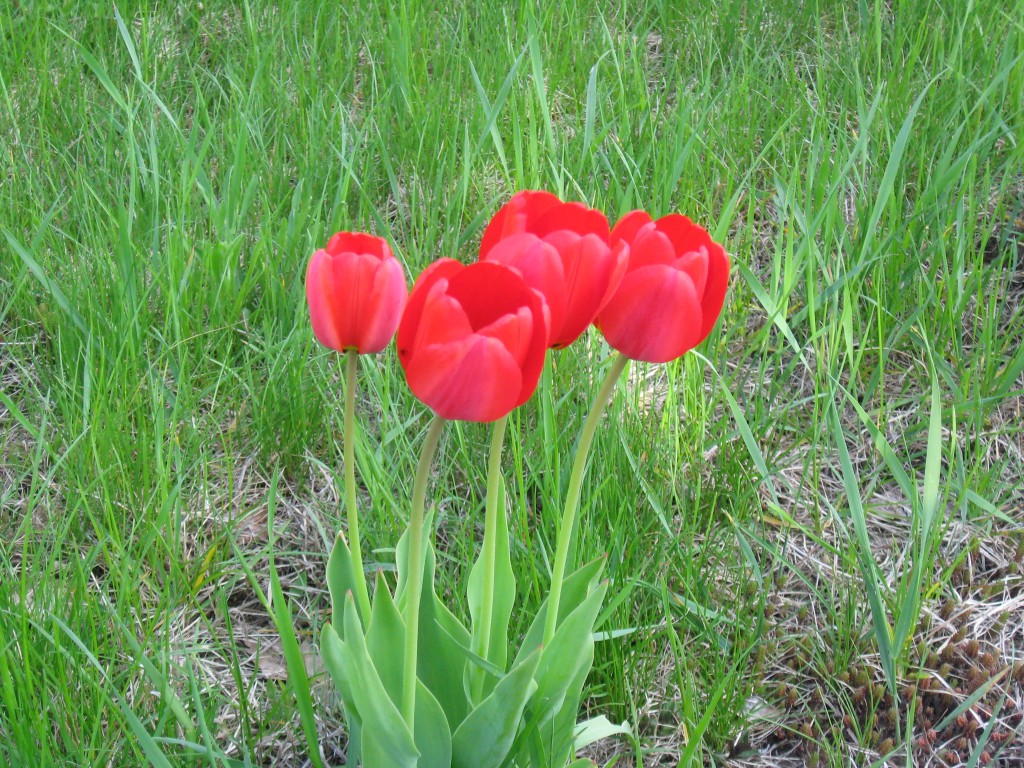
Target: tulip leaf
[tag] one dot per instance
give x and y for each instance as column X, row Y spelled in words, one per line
column 385, row 639
column 559, row 732
column 561, row 675
column 502, row 602
column 379, row 754
column 575, row 588
column 433, row 735
column 597, row 728
column 334, row 663
column 441, row 670
column 487, row 733
column 402, row 560
column 442, row 638
column 386, row 740
column 565, row 663
column 340, row 579
column 479, row 661
column 572, row 641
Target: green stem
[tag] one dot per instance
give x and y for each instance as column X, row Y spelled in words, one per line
column 572, row 499
column 488, row 554
column 362, row 594
column 415, row 584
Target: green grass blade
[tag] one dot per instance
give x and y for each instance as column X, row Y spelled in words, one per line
column 887, row 185
column 50, row 285
column 590, row 114
column 294, row 659
column 869, row 571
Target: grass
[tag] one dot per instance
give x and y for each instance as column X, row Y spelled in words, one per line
column 814, row 526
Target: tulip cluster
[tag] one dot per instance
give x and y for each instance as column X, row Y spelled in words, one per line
column 472, row 341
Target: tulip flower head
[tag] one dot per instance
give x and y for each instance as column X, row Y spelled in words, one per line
column 472, row 340
column 672, row 292
column 356, row 290
column 562, row 251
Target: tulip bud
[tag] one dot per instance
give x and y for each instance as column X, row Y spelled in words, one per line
column 472, row 340
column 562, row 251
column 356, row 290
column 672, row 292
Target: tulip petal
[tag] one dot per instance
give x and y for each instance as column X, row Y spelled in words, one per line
column 655, row 315
column 351, row 280
column 443, row 319
column 714, row 291
column 408, row 327
column 337, row 288
column 356, row 290
column 472, row 340
column 695, row 264
column 540, row 265
column 487, row 291
column 620, row 260
column 383, row 307
column 358, row 242
column 534, row 362
column 651, row 248
column 683, row 233
column 471, row 380
column 515, row 332
column 320, row 296
column 514, row 217
column 673, row 289
column 589, row 268
column 627, row 227
column 575, row 217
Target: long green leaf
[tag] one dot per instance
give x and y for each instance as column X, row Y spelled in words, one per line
column 590, row 115
column 695, row 735
column 925, row 509
column 748, row 440
column 883, row 446
column 149, row 745
column 385, row 639
column 933, row 461
column 441, row 670
column 386, row 740
column 885, row 189
column 331, row 651
column 971, row 700
column 157, row 678
column 869, row 571
column 487, row 733
column 433, row 734
column 294, row 660
column 50, row 285
column 775, row 312
column 503, row 599
column 340, row 578
column 575, row 589
column 597, row 728
column 571, row 649
column 492, row 111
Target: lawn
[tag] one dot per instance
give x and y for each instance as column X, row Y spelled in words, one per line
column 814, row 522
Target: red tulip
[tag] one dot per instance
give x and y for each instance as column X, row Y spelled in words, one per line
column 356, row 290
column 560, row 249
column 672, row 292
column 472, row 340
